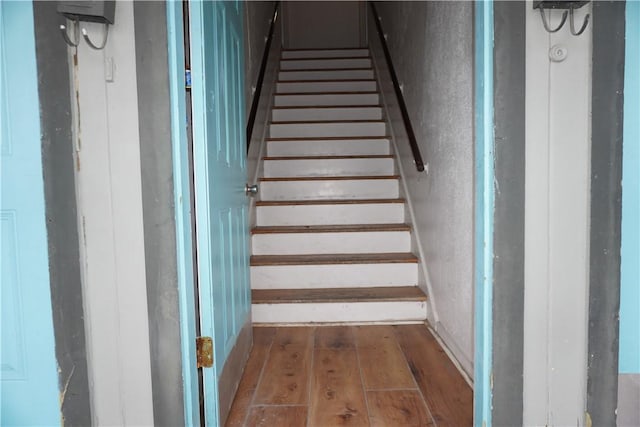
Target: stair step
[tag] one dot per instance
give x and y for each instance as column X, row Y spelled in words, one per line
column 321, row 129
column 334, row 74
column 330, row 187
column 324, row 63
column 333, row 259
column 333, row 270
column 283, row 296
column 324, row 53
column 329, row 112
column 329, row 212
column 331, row 239
column 332, row 98
column 328, row 166
column 328, row 147
column 331, row 305
column 326, row 86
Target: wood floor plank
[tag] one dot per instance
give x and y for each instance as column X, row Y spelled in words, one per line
column 280, row 416
column 337, row 397
column 382, row 362
column 448, row 396
column 398, row 408
column 285, row 380
column 262, row 339
column 334, row 337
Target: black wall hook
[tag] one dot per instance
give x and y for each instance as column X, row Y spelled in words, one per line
column 568, row 7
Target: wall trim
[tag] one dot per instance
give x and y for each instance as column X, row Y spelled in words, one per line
column 606, row 206
column 508, row 262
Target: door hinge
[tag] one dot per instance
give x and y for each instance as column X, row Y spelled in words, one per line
column 204, row 352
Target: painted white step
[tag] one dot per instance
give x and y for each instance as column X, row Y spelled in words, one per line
column 328, row 147
column 330, row 305
column 340, row 74
column 331, row 270
column 384, row 312
column 329, row 212
column 327, row 86
column 324, row 53
column 328, row 166
column 301, row 114
column 316, row 99
column 313, row 188
column 324, row 64
column 327, row 129
column 331, row 239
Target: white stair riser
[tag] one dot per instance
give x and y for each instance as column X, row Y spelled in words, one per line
column 329, row 148
column 333, row 276
column 331, row 243
column 321, row 130
column 325, row 53
column 374, row 213
column 355, row 86
column 327, row 99
column 325, row 75
column 387, row 311
column 321, row 64
column 344, row 113
column 327, row 189
column 328, row 167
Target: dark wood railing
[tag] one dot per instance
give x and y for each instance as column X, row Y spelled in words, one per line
column 263, row 69
column 417, row 157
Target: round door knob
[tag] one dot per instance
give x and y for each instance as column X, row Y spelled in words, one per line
column 251, row 190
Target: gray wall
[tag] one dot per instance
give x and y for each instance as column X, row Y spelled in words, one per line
column 432, row 49
column 324, row 24
column 61, row 213
column 257, row 19
column 158, row 212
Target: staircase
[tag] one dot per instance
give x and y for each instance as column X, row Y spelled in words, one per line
column 331, row 243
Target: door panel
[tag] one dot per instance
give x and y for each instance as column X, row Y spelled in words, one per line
column 220, row 176
column 28, row 372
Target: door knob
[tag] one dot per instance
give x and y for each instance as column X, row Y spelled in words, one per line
column 251, row 190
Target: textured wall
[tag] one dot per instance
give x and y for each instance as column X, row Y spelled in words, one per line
column 432, row 49
column 257, row 19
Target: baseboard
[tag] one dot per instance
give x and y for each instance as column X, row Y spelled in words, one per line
column 232, row 371
column 464, row 365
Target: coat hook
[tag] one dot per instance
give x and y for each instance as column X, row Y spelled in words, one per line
column 584, row 24
column 90, row 43
column 65, row 35
column 546, row 24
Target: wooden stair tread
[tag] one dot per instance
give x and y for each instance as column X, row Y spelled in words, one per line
column 304, row 49
column 330, row 178
column 323, row 58
column 326, row 295
column 329, row 69
column 327, row 259
column 346, row 92
column 295, row 107
column 338, row 228
column 326, row 80
column 326, row 202
column 355, row 156
column 328, row 138
column 313, row 122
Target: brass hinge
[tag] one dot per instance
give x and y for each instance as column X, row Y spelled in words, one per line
column 204, row 352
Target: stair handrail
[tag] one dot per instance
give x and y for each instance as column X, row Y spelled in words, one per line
column 417, row 157
column 263, row 68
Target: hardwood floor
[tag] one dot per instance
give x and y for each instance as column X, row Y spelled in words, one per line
column 350, row 376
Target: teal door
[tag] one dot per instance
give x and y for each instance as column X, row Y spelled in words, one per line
column 217, row 70
column 28, row 375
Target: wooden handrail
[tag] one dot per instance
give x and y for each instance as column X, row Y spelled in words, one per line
column 263, row 68
column 417, row 157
